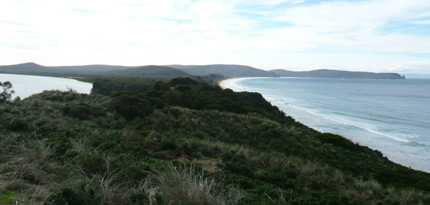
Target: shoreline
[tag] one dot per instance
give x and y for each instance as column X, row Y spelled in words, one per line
column 223, row 84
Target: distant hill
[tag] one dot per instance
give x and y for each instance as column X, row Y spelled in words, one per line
column 23, row 68
column 324, row 73
column 36, row 69
column 225, row 70
column 151, row 71
column 91, row 70
column 232, row 71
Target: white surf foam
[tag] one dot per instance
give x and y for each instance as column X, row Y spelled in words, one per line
column 349, row 122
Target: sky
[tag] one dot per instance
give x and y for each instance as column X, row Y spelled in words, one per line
column 364, row 35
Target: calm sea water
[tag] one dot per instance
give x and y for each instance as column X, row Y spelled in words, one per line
column 26, row 85
column 392, row 116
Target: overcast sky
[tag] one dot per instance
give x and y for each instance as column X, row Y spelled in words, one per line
column 367, row 35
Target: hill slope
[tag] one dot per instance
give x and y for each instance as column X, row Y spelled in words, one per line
column 35, row 69
column 323, row 73
column 234, row 71
column 181, row 141
column 149, row 71
column 91, row 70
column 23, row 68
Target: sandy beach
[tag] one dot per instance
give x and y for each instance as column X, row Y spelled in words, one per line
column 222, row 83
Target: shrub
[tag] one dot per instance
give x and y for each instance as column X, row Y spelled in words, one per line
column 91, row 162
column 82, row 111
column 182, row 81
column 17, row 125
column 131, row 106
column 73, row 196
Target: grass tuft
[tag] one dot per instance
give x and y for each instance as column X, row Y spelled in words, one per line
column 189, row 186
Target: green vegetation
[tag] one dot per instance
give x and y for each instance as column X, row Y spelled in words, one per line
column 184, row 141
column 109, row 84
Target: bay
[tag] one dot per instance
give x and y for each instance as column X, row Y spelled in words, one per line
column 27, row 85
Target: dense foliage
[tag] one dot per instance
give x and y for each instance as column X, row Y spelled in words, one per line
column 183, row 141
column 108, row 85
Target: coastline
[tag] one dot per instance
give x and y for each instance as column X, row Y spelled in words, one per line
column 222, row 83
column 353, row 137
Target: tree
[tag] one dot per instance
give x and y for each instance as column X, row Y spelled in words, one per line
column 6, row 94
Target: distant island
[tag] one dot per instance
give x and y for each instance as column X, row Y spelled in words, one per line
column 324, row 73
column 168, row 71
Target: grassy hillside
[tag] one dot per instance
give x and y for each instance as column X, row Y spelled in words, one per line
column 183, row 141
column 336, row 74
column 233, row 71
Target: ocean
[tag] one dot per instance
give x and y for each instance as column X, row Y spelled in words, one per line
column 392, row 116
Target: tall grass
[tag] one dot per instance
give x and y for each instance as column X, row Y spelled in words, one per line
column 31, row 172
column 189, row 186
column 108, row 188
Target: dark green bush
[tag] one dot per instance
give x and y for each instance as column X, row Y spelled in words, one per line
column 73, row 196
column 108, row 85
column 182, row 81
column 91, row 162
column 17, row 125
column 131, row 106
column 83, row 111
